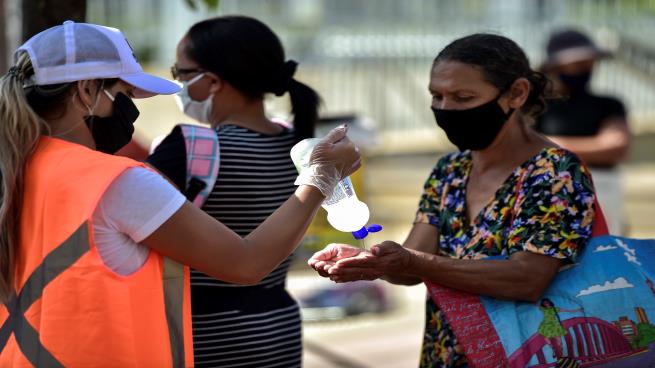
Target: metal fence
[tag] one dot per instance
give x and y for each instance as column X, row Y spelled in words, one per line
column 372, row 58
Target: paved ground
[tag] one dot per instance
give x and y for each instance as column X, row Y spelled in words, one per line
column 388, row 340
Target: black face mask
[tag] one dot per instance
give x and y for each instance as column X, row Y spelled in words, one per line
column 576, row 83
column 113, row 132
column 474, row 128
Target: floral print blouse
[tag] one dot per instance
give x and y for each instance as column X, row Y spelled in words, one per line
column 545, row 206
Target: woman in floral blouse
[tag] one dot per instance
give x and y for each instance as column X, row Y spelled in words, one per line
column 509, row 193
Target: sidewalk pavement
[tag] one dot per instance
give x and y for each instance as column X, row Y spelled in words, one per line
column 389, row 340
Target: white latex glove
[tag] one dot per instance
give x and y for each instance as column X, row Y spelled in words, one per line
column 332, row 159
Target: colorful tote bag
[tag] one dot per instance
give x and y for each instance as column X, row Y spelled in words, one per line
column 598, row 312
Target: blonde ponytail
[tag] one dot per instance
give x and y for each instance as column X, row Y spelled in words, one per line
column 20, row 128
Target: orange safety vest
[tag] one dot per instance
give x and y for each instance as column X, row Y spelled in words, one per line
column 69, row 309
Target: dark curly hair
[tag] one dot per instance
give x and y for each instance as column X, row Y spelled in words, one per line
column 502, row 62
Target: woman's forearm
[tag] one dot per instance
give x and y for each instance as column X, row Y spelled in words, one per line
column 523, row 277
column 407, row 280
column 277, row 237
column 194, row 238
column 595, row 152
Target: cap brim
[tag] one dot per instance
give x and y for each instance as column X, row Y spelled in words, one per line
column 148, row 85
column 576, row 54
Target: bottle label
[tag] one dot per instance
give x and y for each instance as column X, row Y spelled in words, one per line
column 347, row 186
column 343, row 190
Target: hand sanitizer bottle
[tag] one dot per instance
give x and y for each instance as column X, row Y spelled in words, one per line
column 345, row 212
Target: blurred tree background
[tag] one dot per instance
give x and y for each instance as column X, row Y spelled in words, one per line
column 37, row 15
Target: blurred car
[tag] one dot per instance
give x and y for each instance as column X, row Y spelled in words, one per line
column 337, row 301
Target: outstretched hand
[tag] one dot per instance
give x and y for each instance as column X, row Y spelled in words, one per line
column 322, row 261
column 344, row 263
column 387, row 258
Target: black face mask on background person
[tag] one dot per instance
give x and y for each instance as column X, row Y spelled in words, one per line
column 111, row 133
column 475, row 128
column 576, row 83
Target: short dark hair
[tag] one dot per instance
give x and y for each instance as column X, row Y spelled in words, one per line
column 248, row 55
column 502, row 62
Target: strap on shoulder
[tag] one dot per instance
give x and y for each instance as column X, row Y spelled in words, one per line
column 282, row 123
column 202, row 161
column 599, row 228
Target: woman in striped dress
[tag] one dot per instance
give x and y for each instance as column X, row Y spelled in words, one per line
column 227, row 65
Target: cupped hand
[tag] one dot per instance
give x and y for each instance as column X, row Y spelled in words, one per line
column 387, row 258
column 324, row 259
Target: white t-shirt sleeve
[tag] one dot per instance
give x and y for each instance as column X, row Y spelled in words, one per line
column 136, row 204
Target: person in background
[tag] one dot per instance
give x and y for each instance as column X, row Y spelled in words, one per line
column 509, row 194
column 227, row 66
column 592, row 126
column 91, row 244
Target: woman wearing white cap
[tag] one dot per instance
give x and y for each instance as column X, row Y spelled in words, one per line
column 83, row 277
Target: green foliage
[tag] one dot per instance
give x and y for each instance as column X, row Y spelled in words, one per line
column 646, row 335
column 645, row 5
column 210, row 4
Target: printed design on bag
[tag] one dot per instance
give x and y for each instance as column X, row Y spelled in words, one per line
column 551, row 328
column 604, row 320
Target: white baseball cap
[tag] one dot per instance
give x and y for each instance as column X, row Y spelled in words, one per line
column 82, row 51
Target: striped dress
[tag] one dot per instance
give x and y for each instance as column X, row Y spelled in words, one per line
column 244, row 326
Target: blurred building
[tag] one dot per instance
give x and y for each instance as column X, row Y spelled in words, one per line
column 642, row 317
column 628, row 327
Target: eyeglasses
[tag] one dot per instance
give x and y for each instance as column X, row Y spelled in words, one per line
column 177, row 72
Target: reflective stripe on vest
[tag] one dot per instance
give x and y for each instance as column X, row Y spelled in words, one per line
column 52, row 266
column 174, row 301
column 56, row 263
column 67, row 308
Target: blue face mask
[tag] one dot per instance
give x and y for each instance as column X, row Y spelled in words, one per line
column 576, row 83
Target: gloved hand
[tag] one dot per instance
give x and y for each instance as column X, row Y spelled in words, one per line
column 332, row 159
